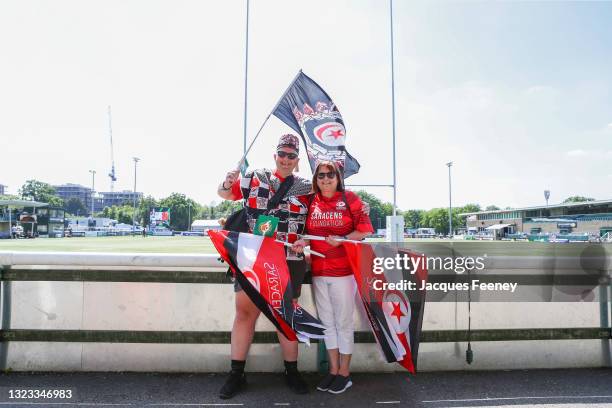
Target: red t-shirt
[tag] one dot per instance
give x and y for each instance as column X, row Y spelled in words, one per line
column 329, row 216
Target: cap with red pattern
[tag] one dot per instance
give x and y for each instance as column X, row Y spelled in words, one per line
column 289, row 140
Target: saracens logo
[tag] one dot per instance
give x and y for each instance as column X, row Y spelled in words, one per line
column 330, row 133
column 398, row 310
column 252, row 278
column 265, row 227
column 340, row 205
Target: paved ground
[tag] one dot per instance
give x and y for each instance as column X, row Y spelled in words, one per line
column 535, row 388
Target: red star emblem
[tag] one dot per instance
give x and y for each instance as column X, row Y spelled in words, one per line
column 336, row 133
column 397, row 311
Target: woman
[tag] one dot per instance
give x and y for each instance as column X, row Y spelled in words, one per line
column 334, row 213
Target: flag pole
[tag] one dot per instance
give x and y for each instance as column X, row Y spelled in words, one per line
column 246, row 76
column 268, row 117
column 393, row 110
column 306, row 250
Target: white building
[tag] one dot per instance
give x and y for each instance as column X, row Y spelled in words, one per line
column 205, row 225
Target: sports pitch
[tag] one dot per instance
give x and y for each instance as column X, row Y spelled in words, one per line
column 203, row 245
column 169, row 245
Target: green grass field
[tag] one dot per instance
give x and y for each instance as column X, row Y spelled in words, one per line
column 202, row 245
column 171, row 245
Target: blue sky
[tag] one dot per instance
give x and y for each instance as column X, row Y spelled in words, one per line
column 517, row 94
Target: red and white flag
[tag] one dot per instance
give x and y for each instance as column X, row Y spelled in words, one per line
column 259, row 264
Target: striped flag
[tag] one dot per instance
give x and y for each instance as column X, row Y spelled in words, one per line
column 259, row 264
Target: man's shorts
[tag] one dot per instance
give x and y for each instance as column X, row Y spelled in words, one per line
column 297, row 270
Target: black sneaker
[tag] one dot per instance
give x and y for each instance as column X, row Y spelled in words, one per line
column 340, row 384
column 326, row 382
column 233, row 385
column 296, row 382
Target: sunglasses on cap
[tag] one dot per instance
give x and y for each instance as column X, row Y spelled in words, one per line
column 290, row 156
column 330, row 175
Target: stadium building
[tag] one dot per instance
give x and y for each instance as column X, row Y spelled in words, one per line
column 69, row 190
column 585, row 218
column 101, row 200
column 33, row 218
column 118, row 198
column 2, row 189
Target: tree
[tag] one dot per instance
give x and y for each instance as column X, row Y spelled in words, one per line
column 577, row 199
column 413, row 218
column 122, row 214
column 378, row 210
column 144, row 210
column 459, row 221
column 436, row 218
column 492, row 208
column 223, row 209
column 470, row 208
column 179, row 210
column 40, row 191
column 9, row 197
column 75, row 206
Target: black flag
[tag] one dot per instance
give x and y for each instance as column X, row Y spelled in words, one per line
column 308, row 110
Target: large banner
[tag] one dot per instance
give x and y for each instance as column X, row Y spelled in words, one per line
column 309, row 110
column 160, row 217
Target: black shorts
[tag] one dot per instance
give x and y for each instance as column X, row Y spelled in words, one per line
column 297, row 270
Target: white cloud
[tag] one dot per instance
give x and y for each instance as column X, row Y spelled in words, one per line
column 592, row 154
column 578, row 153
column 542, row 90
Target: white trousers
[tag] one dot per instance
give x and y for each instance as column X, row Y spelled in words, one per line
column 335, row 300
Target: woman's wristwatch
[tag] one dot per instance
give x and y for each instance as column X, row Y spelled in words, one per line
column 223, row 188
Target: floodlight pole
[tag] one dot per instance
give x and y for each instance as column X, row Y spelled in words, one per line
column 450, row 202
column 246, row 77
column 393, row 110
column 93, row 184
column 189, row 216
column 136, row 160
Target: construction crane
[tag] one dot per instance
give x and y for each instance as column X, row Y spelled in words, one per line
column 112, row 172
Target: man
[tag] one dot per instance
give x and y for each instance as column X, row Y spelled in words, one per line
column 257, row 188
